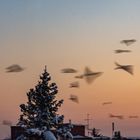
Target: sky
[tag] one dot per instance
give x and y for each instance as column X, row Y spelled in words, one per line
column 75, row 34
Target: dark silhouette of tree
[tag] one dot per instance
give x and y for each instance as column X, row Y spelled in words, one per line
column 40, row 113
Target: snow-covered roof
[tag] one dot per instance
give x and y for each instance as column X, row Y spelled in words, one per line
column 133, row 138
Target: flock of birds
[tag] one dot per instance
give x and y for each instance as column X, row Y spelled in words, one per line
column 88, row 75
column 127, row 68
column 122, row 117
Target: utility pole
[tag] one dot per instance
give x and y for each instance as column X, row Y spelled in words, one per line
column 87, row 120
column 113, row 128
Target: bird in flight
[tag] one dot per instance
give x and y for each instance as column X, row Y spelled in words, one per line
column 90, row 76
column 133, row 117
column 128, row 42
column 79, row 76
column 74, row 98
column 68, row 70
column 122, row 51
column 116, row 116
column 106, row 103
column 14, row 68
column 6, row 122
column 128, row 68
column 74, row 84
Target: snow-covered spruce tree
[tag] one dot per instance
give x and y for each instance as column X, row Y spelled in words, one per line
column 39, row 116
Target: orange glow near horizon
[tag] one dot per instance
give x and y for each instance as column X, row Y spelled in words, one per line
column 72, row 34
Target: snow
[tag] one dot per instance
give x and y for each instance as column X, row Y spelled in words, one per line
column 48, row 135
column 34, row 131
column 64, row 131
column 78, row 136
column 21, row 137
column 58, row 119
column 134, row 138
column 69, row 135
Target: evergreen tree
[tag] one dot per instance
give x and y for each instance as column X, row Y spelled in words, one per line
column 40, row 112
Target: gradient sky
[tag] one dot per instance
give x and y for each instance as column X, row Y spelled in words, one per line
column 72, row 33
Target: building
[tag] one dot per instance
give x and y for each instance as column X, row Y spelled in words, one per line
column 78, row 131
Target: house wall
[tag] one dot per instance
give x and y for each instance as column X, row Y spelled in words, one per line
column 17, row 131
column 78, row 130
